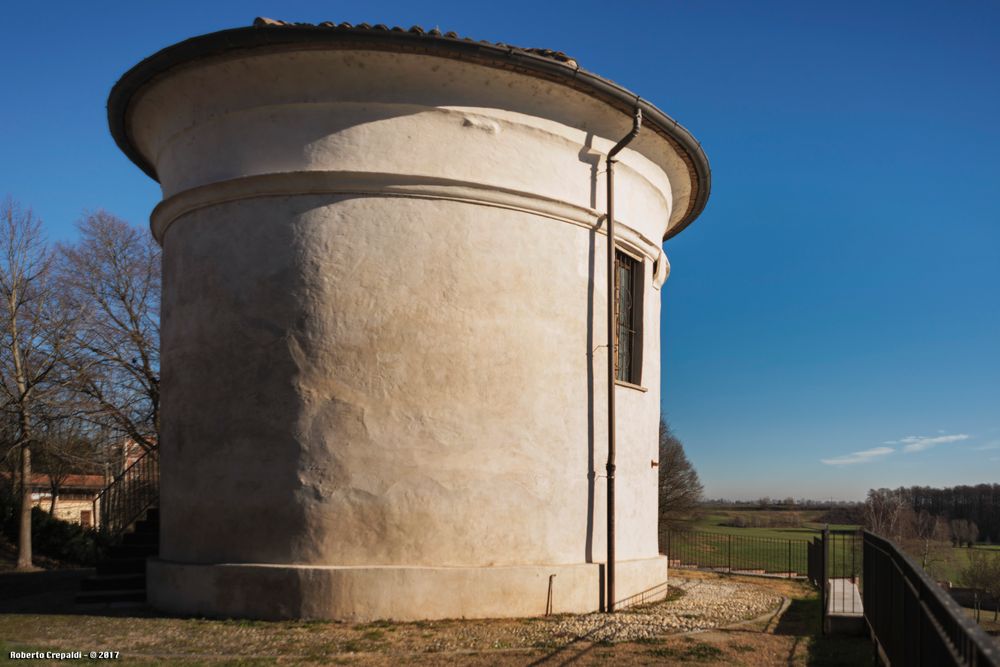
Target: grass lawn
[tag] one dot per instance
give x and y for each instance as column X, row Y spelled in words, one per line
column 711, row 544
column 947, row 562
column 789, row 637
column 738, row 551
column 807, row 526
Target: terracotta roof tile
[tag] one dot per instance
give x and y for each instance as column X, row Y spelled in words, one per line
column 434, row 33
column 89, row 482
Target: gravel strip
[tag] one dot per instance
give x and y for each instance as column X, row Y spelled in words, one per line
column 704, row 605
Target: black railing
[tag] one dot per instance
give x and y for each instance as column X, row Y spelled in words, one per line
column 912, row 620
column 742, row 554
column 816, row 568
column 816, row 573
column 130, row 494
column 844, row 572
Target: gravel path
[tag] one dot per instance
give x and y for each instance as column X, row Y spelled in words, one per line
column 708, row 602
column 705, row 604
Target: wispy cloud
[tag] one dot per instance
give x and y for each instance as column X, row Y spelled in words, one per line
column 919, row 443
column 859, row 457
column 987, row 447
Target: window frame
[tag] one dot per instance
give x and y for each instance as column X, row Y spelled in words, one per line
column 632, row 375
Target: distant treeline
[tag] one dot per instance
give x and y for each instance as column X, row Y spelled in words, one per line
column 849, row 514
column 978, row 504
column 776, row 504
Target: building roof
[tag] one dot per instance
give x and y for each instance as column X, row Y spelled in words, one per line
column 69, row 482
column 559, row 56
column 547, row 64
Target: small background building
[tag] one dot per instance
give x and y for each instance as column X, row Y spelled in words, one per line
column 77, row 488
column 75, row 499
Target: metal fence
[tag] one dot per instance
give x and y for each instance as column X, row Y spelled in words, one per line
column 741, row 554
column 845, row 555
column 844, row 572
column 816, row 566
column 816, row 573
column 911, row 619
column 836, row 570
column 129, row 495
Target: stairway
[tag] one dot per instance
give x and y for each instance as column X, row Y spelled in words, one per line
column 121, row 577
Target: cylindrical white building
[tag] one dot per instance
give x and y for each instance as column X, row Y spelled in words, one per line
column 383, row 322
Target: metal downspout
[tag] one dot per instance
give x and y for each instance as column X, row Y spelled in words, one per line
column 612, row 352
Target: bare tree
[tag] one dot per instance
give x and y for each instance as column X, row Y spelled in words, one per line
column 33, row 326
column 112, row 274
column 972, row 535
column 992, row 584
column 65, row 448
column 883, row 510
column 982, row 573
column 979, row 504
column 964, row 532
column 680, row 488
column 957, row 529
column 929, row 534
column 8, row 452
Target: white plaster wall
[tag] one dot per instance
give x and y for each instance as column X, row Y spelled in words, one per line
column 392, row 381
column 401, row 114
column 384, row 312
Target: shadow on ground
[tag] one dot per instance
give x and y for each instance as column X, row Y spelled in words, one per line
column 52, row 592
column 802, row 620
column 31, row 604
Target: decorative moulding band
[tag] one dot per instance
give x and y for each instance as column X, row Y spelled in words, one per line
column 240, row 42
column 375, row 184
column 661, row 269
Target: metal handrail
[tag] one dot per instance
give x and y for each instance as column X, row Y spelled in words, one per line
column 130, row 493
column 912, row 620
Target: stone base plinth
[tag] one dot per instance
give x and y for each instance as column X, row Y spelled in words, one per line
column 364, row 593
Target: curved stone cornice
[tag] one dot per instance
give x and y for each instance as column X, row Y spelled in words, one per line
column 267, row 38
column 377, row 184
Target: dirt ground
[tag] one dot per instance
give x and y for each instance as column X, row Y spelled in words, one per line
column 986, row 620
column 29, row 622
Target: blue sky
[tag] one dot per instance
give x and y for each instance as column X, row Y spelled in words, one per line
column 832, row 321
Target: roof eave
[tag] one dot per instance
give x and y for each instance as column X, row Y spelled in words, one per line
column 494, row 55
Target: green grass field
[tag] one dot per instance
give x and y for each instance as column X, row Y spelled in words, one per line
column 754, row 549
column 777, row 544
column 738, row 552
column 806, row 529
column 947, row 562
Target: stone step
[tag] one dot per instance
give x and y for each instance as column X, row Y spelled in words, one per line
column 127, row 551
column 109, row 596
column 122, row 566
column 110, row 582
column 142, row 539
column 146, row 527
column 121, row 578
